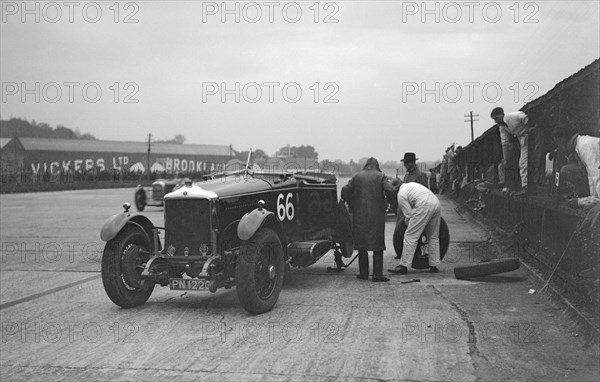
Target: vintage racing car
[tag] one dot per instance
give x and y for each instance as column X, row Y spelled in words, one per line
column 153, row 195
column 244, row 230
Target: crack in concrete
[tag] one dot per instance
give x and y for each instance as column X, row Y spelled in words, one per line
column 474, row 352
column 47, row 292
column 348, row 318
column 221, row 319
column 193, row 371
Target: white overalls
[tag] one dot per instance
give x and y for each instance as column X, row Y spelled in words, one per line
column 422, row 212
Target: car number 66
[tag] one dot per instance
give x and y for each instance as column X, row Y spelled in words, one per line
column 285, row 210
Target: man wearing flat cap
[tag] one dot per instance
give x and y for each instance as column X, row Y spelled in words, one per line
column 366, row 195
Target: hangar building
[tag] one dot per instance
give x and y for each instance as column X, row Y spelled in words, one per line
column 46, row 155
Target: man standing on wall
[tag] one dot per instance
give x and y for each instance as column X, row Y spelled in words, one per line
column 366, row 193
column 513, row 124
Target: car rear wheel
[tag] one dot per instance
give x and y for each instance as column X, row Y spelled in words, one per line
column 123, row 261
column 260, row 271
column 420, row 261
column 343, row 230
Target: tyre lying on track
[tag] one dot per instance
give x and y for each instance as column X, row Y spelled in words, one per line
column 486, row 268
column 421, row 261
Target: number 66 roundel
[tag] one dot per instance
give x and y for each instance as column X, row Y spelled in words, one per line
column 285, row 207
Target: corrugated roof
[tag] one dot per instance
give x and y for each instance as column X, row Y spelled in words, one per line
column 569, row 81
column 84, row 145
column 489, row 131
column 4, row 141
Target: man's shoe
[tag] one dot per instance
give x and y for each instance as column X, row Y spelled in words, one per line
column 521, row 192
column 479, row 207
column 433, row 270
column 379, row 279
column 399, row 270
column 362, row 277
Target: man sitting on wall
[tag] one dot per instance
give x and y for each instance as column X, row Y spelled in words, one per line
column 490, row 181
column 573, row 181
column 449, row 171
column 433, row 185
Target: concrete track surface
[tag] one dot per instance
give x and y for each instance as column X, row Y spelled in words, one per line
column 58, row 324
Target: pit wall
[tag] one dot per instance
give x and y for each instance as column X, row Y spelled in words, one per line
column 559, row 244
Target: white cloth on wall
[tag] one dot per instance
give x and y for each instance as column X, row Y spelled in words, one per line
column 588, row 151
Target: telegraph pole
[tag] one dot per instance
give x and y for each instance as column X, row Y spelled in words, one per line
column 148, row 163
column 470, row 116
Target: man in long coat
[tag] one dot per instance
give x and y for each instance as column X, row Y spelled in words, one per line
column 365, row 193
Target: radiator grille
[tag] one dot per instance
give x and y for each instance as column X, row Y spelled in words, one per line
column 187, row 224
column 157, row 192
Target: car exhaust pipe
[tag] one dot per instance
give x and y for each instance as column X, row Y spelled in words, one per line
column 305, row 253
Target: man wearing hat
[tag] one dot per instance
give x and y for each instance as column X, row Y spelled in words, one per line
column 413, row 173
column 365, row 193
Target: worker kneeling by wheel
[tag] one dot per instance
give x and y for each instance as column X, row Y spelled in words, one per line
column 421, row 258
column 422, row 214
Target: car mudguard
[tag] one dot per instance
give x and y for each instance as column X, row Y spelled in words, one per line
column 115, row 224
column 253, row 220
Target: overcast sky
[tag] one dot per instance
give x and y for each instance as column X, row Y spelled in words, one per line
column 377, row 78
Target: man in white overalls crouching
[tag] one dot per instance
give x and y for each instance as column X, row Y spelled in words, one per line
column 422, row 212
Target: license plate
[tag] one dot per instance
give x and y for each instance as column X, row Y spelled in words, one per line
column 189, row 284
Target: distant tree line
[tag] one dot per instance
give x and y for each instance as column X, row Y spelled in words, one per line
column 23, row 128
column 179, row 139
column 16, row 127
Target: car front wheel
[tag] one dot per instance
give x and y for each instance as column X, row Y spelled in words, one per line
column 140, row 200
column 123, row 261
column 260, row 271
